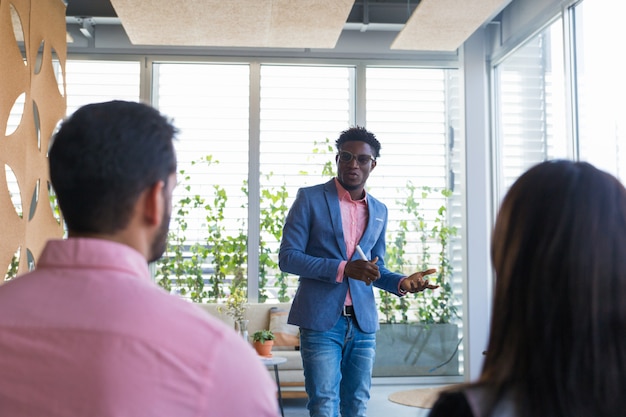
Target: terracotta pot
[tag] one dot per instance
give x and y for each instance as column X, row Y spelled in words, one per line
column 264, row 349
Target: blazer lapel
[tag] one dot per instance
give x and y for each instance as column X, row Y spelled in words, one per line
column 332, row 201
column 375, row 223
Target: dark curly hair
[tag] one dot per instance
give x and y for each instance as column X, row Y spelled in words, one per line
column 360, row 134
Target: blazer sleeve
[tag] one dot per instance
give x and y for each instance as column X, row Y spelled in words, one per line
column 308, row 246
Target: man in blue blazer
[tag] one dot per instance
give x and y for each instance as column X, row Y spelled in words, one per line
column 334, row 305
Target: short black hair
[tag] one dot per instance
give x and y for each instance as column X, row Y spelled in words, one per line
column 103, row 157
column 358, row 133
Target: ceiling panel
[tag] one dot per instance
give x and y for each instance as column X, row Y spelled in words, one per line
column 422, row 25
column 443, row 25
column 234, row 23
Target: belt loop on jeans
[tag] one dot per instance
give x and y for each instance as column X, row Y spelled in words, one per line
column 348, row 311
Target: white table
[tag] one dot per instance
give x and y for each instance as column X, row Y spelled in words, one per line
column 275, row 361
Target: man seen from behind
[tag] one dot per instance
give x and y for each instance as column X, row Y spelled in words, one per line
column 88, row 333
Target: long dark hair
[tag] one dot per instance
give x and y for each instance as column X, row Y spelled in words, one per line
column 558, row 334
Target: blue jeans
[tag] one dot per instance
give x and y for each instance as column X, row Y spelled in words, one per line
column 338, row 369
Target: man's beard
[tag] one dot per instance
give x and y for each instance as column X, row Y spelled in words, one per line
column 159, row 244
column 348, row 187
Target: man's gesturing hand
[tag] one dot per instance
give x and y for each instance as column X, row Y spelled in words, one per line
column 366, row 271
column 416, row 282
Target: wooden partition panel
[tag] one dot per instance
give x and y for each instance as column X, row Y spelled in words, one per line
column 33, row 50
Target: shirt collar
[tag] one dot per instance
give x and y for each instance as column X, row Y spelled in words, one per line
column 345, row 194
column 94, row 254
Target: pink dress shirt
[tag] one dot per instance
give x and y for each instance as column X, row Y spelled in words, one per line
column 354, row 217
column 89, row 334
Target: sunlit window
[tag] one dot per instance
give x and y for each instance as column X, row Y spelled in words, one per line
column 98, row 81
column 303, row 109
column 601, row 86
column 530, row 113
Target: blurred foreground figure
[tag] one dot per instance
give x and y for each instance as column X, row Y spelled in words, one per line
column 557, row 344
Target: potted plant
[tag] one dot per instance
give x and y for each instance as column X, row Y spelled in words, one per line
column 263, row 340
column 235, row 307
column 236, row 304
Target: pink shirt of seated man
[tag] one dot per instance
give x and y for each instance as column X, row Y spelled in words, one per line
column 89, row 334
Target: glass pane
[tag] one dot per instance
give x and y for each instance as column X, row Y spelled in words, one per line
column 15, row 115
column 415, row 114
column 14, row 190
column 209, row 104
column 98, row 81
column 601, row 84
column 303, row 109
column 530, row 107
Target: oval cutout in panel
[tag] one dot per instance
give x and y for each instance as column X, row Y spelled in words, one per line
column 15, row 115
column 37, row 124
column 13, row 266
column 54, row 203
column 34, row 201
column 39, row 59
column 30, row 259
column 58, row 71
column 18, row 31
column 14, row 190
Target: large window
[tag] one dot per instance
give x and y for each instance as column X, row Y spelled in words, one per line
column 601, row 86
column 251, row 134
column 415, row 114
column 98, row 81
column 550, row 107
column 208, row 103
column 302, row 111
column 530, row 117
column 230, row 211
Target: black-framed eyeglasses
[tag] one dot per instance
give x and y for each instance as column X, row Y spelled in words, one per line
column 347, row 157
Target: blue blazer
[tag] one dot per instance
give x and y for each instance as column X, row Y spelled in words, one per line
column 313, row 246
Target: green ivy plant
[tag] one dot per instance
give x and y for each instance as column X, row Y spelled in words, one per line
column 13, row 267
column 273, row 211
column 394, row 260
column 181, row 267
column 430, row 306
column 438, row 306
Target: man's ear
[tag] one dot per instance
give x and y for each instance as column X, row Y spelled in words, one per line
column 154, row 204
